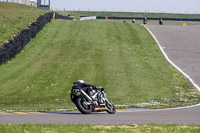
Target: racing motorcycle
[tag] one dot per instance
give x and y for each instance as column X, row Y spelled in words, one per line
column 96, row 101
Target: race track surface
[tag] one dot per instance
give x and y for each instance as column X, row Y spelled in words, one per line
column 180, row 116
column 182, row 46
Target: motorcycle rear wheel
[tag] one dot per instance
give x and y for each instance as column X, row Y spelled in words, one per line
column 84, row 109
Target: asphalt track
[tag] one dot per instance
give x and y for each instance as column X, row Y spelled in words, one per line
column 181, row 45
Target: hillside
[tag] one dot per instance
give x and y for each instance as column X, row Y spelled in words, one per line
column 15, row 17
column 123, row 58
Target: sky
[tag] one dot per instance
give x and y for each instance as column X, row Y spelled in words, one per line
column 166, row 6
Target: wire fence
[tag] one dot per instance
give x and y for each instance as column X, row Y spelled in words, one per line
column 25, row 2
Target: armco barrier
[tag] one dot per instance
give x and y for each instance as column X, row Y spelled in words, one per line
column 88, row 18
column 141, row 18
column 64, row 17
column 10, row 49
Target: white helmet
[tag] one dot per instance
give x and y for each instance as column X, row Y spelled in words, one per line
column 80, row 81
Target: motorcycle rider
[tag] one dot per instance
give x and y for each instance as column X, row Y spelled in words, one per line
column 80, row 84
column 161, row 21
column 94, row 100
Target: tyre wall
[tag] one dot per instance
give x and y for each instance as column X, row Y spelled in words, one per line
column 11, row 48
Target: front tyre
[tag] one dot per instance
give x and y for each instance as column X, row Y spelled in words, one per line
column 110, row 107
column 82, row 107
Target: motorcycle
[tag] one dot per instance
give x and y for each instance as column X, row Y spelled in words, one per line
column 96, row 101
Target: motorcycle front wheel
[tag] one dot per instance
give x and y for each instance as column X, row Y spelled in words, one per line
column 82, row 107
column 110, row 108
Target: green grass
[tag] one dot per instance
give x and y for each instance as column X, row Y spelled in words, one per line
column 123, row 58
column 130, row 14
column 60, row 128
column 135, row 14
column 15, row 17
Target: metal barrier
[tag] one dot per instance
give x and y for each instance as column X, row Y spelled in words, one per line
column 141, row 18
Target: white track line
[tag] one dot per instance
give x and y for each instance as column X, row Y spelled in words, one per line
column 166, row 109
column 187, row 76
column 186, row 107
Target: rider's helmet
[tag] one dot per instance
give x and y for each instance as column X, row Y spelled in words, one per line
column 80, row 81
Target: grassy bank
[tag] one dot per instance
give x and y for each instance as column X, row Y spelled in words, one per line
column 123, row 58
column 52, row 128
column 15, row 17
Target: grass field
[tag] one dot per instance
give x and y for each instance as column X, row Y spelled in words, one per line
column 130, row 14
column 135, row 14
column 53, row 128
column 123, row 58
column 15, row 17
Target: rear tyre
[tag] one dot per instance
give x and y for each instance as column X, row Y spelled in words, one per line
column 82, row 107
column 110, row 108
